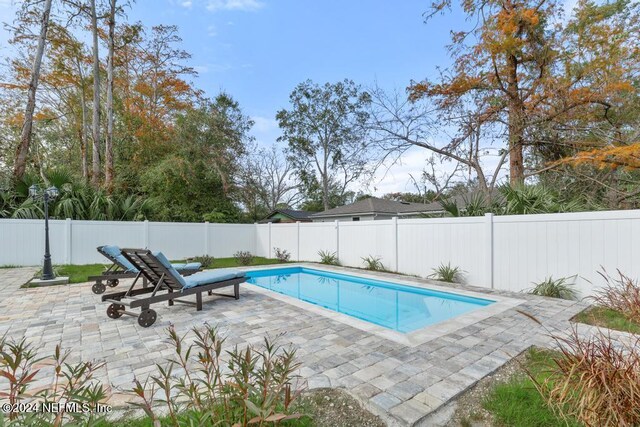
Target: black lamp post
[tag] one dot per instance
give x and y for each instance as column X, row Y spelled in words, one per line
column 47, row 196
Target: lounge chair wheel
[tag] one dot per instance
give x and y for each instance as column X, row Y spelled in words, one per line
column 98, row 288
column 114, row 311
column 113, row 283
column 147, row 318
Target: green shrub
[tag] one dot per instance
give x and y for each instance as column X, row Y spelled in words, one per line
column 620, row 293
column 446, row 273
column 243, row 257
column 373, row 263
column 555, row 288
column 205, row 260
column 73, row 384
column 282, row 255
column 595, row 380
column 256, row 385
column 329, row 258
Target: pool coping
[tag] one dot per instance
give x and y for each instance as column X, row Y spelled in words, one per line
column 411, row 339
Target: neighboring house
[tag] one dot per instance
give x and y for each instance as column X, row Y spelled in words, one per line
column 376, row 209
column 286, row 215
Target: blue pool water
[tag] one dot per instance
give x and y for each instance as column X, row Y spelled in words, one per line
column 394, row 306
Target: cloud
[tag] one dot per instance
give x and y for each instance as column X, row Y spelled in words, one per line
column 221, row 67
column 396, row 178
column 212, row 31
column 239, row 5
column 186, row 4
column 201, row 69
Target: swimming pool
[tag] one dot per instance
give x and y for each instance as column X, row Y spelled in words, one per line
column 394, row 306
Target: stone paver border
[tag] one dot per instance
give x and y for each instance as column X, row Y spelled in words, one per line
column 499, row 304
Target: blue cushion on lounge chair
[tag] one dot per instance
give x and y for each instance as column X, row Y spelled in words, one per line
column 116, row 252
column 112, row 250
column 192, row 266
column 211, row 276
column 126, row 264
column 164, row 261
column 189, row 266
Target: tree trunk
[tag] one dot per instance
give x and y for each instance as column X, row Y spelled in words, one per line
column 325, row 180
column 83, row 138
column 515, row 125
column 108, row 167
column 27, row 127
column 95, row 177
column 84, row 133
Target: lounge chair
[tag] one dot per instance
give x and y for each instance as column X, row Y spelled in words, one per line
column 165, row 284
column 121, row 268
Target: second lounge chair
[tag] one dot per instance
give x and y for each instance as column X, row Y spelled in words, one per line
column 165, row 284
column 121, row 268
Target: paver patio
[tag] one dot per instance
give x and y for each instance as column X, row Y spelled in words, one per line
column 402, row 384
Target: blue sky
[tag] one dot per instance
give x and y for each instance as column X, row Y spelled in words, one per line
column 259, row 50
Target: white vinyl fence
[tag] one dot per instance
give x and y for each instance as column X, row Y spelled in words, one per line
column 75, row 242
column 503, row 252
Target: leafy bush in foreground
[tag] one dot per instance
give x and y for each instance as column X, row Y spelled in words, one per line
column 620, row 293
column 595, row 379
column 73, row 384
column 256, row 385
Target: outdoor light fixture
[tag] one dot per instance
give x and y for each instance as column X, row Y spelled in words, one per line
column 47, row 195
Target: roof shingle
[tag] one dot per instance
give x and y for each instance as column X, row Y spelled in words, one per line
column 374, row 205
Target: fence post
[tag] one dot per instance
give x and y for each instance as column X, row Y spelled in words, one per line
column 298, row 234
column 269, row 252
column 206, row 238
column 337, row 225
column 489, row 248
column 146, row 233
column 395, row 243
column 67, row 238
column 255, row 238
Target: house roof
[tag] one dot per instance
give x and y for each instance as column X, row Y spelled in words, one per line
column 374, row 205
column 290, row 213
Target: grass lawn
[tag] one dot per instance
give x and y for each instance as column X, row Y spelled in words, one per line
column 604, row 317
column 80, row 273
column 518, row 403
column 231, row 262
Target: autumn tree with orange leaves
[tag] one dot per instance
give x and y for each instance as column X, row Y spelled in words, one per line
column 525, row 73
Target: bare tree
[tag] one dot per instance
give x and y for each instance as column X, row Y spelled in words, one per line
column 438, row 177
column 399, row 124
column 27, row 127
column 269, row 178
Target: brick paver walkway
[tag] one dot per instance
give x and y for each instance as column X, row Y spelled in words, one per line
column 400, row 383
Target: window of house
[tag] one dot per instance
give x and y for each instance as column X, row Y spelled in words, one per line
column 355, row 218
